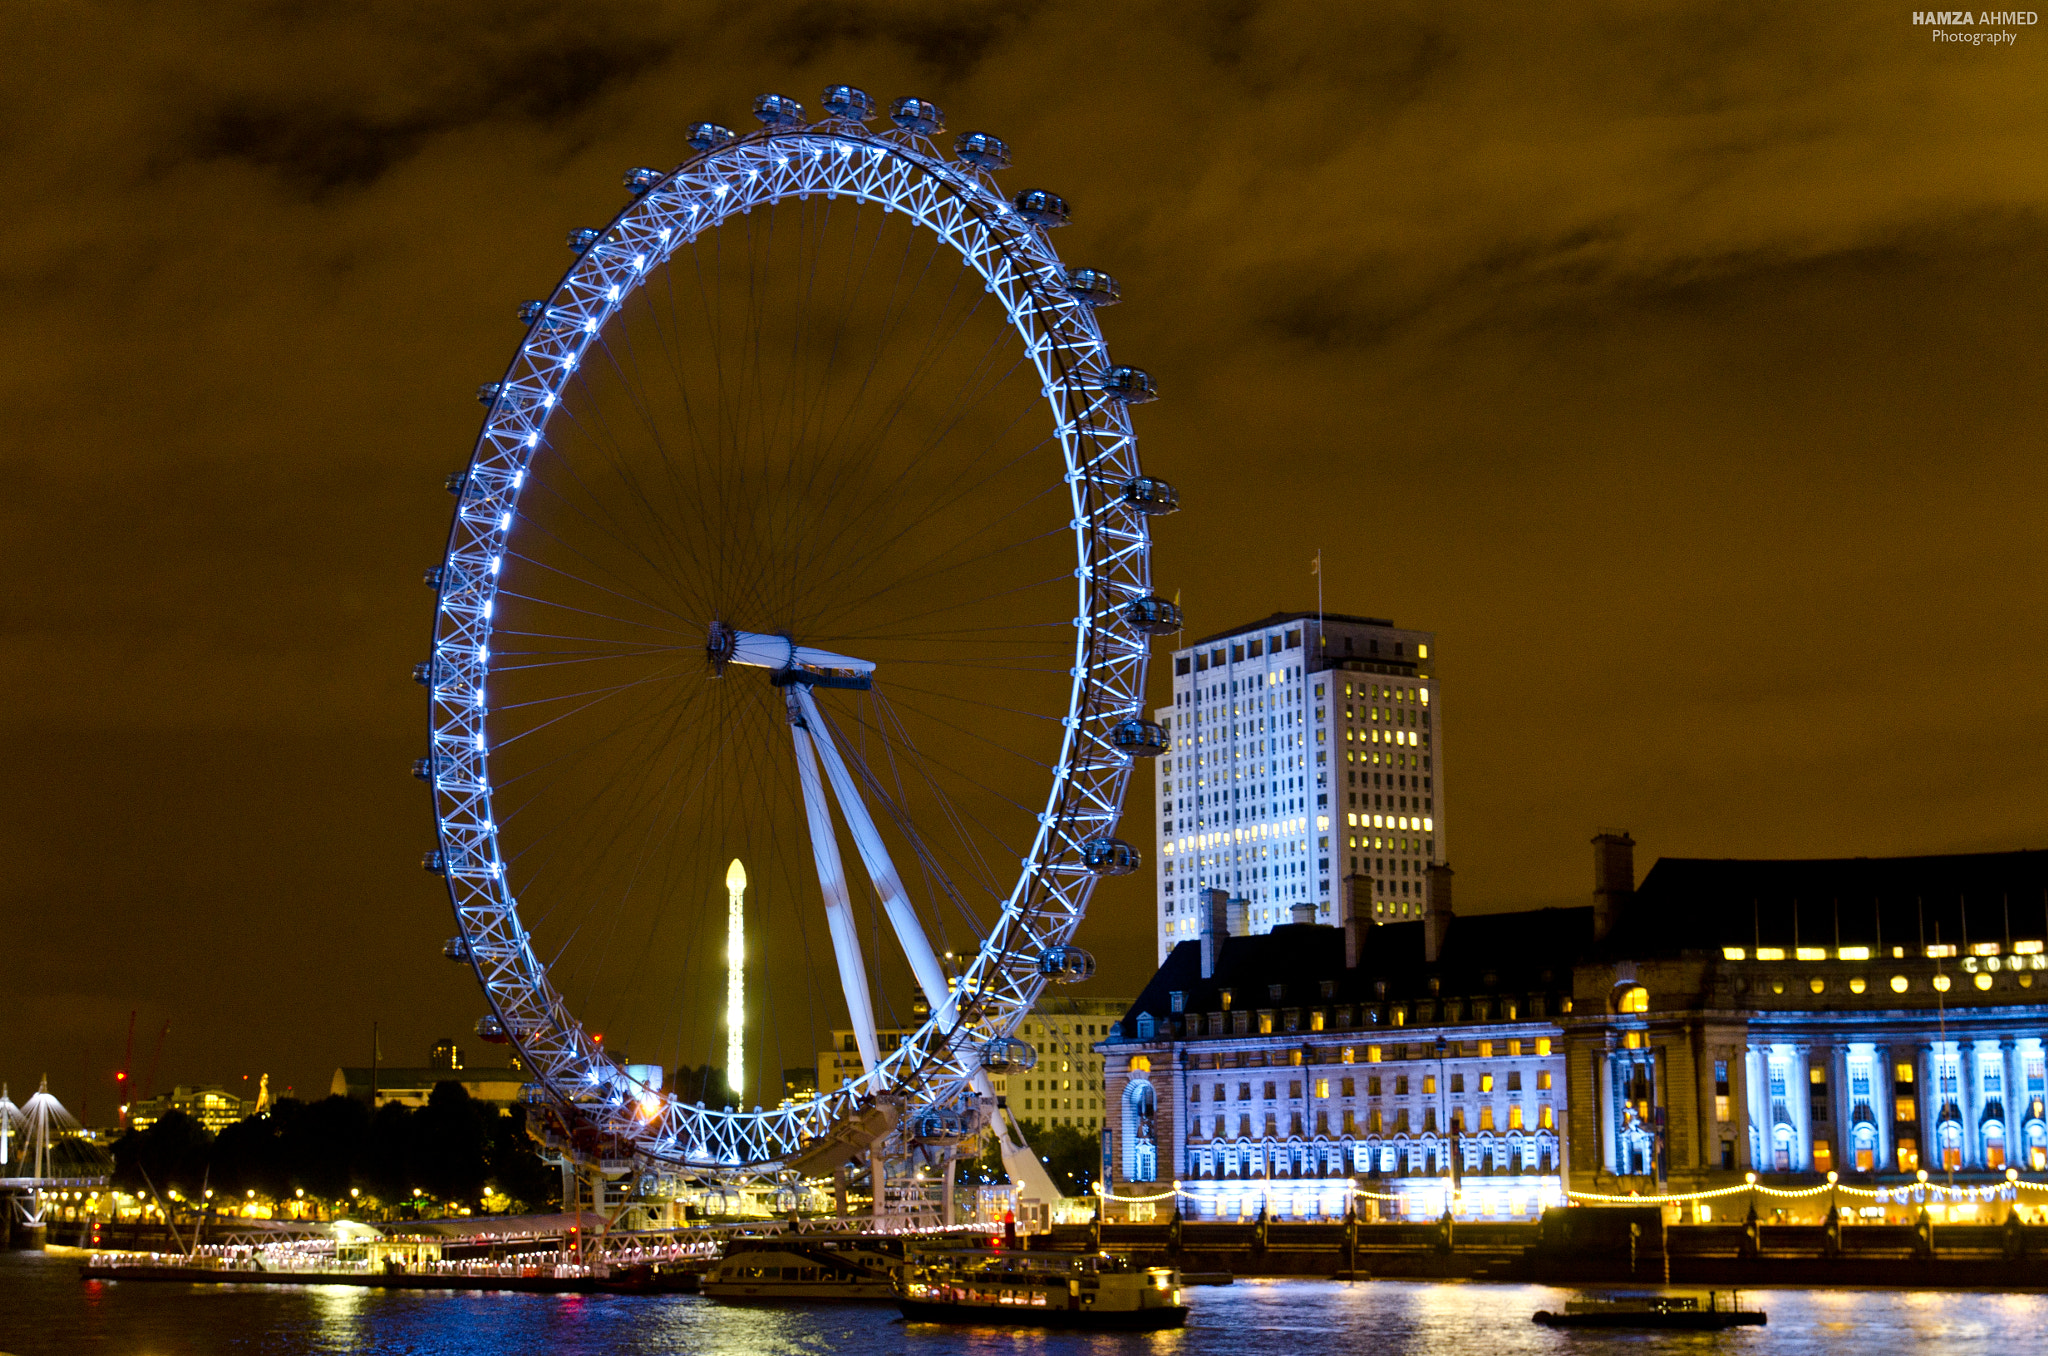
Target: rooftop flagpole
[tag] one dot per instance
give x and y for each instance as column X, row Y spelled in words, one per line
column 1316, row 568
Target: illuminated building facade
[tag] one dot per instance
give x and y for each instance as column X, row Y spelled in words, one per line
column 1870, row 1017
column 1421, row 1060
column 1306, row 748
column 412, row 1086
column 210, row 1104
column 1066, row 1086
column 1874, row 1019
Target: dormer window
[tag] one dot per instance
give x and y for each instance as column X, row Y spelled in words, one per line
column 1225, row 996
column 1329, row 988
column 1145, row 1026
column 1273, row 991
column 1178, row 1000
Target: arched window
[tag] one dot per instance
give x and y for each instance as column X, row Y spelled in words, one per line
column 1951, row 1145
column 1865, row 1147
column 1145, row 1026
column 1141, row 1154
column 1634, row 998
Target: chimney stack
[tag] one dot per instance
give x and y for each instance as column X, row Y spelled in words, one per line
column 1215, row 928
column 1614, row 879
column 1436, row 912
column 1357, row 917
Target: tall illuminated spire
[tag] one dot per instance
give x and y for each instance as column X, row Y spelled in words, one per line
column 735, row 975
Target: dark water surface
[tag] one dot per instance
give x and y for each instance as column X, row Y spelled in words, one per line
column 44, row 1308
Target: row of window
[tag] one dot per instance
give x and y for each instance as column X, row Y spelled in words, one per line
column 1483, row 1081
column 1937, row 951
column 1532, row 1153
column 1272, row 643
column 1265, row 1021
column 1377, row 1122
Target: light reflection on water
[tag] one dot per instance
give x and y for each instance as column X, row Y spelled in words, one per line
column 44, row 1308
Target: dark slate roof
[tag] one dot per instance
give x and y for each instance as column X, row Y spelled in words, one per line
column 1702, row 905
column 1509, row 953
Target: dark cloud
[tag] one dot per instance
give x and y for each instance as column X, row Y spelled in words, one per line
column 1681, row 366
column 950, row 41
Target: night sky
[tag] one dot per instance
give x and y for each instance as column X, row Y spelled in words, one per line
column 1680, row 365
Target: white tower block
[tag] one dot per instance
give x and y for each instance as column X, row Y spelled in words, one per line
column 853, row 979
column 917, row 948
column 735, row 977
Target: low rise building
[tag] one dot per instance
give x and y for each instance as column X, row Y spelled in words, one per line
column 378, row 1084
column 1065, row 1087
column 1866, row 1022
column 1420, row 1061
column 210, row 1104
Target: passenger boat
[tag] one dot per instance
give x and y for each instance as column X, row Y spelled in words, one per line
column 807, row 1267
column 1683, row 1312
column 1040, row 1290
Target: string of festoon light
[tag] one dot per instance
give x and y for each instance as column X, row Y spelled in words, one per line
column 1917, row 1192
column 1265, row 1189
column 1914, row 1193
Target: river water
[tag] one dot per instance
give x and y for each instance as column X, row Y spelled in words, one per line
column 44, row 1308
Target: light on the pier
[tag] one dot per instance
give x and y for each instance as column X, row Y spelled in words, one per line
column 735, row 975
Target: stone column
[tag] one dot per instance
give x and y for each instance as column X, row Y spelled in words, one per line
column 2015, row 1094
column 1799, row 1096
column 1758, row 1063
column 1970, row 1097
column 1609, row 1150
column 1738, row 1103
column 1842, row 1100
column 1881, row 1104
column 1707, row 1131
column 1930, row 1108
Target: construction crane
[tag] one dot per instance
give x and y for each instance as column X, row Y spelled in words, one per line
column 121, row 1089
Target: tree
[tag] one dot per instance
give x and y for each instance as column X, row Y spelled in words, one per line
column 1072, row 1156
column 516, row 1167
column 445, row 1147
column 702, row 1083
column 380, row 1166
column 248, row 1157
column 322, row 1143
column 171, row 1154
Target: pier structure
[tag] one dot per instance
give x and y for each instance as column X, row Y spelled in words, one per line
column 41, row 1156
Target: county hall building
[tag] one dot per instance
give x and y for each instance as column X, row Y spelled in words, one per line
column 1873, row 1018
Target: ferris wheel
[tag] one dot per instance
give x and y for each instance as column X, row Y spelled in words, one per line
column 812, row 486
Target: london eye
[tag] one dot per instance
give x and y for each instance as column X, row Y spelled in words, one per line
column 805, row 529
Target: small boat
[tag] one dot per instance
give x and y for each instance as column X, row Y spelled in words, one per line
column 1683, row 1312
column 806, row 1267
column 1001, row 1287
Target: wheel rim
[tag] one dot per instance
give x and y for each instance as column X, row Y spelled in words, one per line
column 958, row 205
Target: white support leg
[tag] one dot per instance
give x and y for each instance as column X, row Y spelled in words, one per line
column 1020, row 1160
column 853, row 977
column 917, row 948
